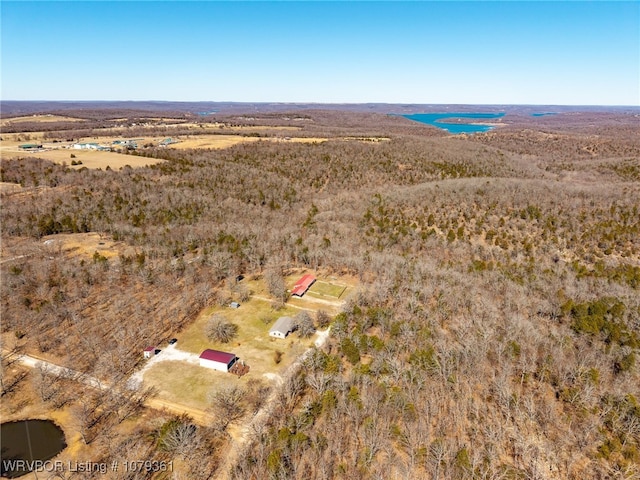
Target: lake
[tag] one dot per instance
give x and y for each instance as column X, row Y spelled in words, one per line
column 28, row 440
column 435, row 120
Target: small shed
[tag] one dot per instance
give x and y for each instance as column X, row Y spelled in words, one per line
column 234, row 305
column 302, row 285
column 282, row 327
column 149, row 352
column 217, row 360
column 167, row 141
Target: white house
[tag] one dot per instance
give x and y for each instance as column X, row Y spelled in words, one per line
column 282, row 327
column 85, row 146
column 217, row 360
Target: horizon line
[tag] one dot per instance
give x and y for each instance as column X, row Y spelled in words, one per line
column 268, row 102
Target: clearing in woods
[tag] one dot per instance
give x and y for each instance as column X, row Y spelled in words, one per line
column 94, row 159
column 38, row 119
column 86, row 244
column 325, row 289
column 184, row 382
column 269, row 358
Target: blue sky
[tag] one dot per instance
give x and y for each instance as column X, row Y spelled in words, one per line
column 480, row 52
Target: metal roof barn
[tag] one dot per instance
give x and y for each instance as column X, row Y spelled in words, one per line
column 221, row 361
column 302, row 285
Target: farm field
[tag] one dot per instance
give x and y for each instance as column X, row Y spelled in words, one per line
column 94, row 159
column 226, row 141
column 38, row 119
column 62, row 152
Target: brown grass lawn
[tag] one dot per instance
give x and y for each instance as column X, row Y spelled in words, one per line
column 326, row 289
column 185, row 383
column 190, row 384
column 86, row 244
column 253, row 344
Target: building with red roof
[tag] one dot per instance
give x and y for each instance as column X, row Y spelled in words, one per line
column 149, row 352
column 302, row 285
column 221, row 361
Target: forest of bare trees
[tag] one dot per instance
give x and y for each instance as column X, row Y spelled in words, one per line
column 495, row 333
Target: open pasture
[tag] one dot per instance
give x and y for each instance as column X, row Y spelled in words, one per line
column 38, row 119
column 186, row 383
column 326, row 289
column 226, row 141
column 84, row 244
column 253, row 345
column 95, row 159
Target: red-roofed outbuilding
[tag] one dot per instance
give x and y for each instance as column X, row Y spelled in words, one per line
column 217, row 360
column 302, row 285
column 149, row 352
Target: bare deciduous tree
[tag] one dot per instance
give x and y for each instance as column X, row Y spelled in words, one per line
column 227, row 404
column 182, row 439
column 275, row 284
column 303, row 324
column 219, row 329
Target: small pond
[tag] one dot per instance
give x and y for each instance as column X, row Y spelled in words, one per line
column 28, row 440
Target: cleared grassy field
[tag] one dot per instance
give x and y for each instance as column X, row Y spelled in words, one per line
column 7, row 187
column 91, row 159
column 185, row 383
column 239, row 128
column 190, row 384
column 212, row 141
column 325, row 289
column 38, row 119
column 14, row 139
column 85, row 244
column 226, row 141
column 253, row 345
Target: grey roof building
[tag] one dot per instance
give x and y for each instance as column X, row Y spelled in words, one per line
column 282, row 327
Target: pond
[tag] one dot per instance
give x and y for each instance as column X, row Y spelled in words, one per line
column 26, row 441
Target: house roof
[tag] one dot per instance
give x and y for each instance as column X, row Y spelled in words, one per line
column 150, row 349
column 283, row 325
column 217, row 356
column 303, row 285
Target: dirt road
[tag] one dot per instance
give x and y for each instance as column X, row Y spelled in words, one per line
column 256, row 423
column 199, row 416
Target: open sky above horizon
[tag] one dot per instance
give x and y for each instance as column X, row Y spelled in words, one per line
column 478, row 52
